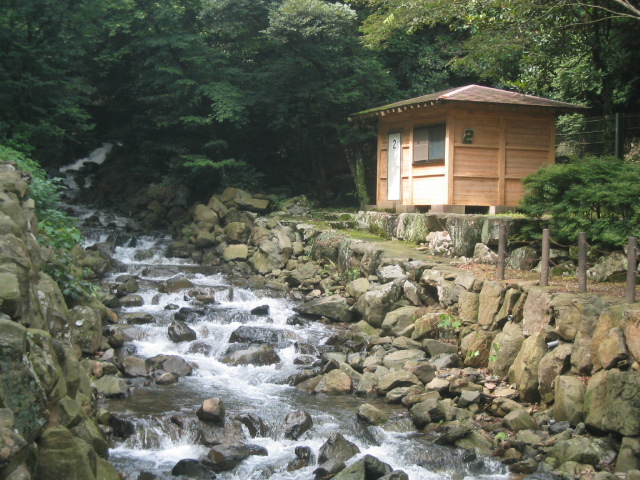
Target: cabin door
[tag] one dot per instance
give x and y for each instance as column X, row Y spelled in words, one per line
column 393, row 167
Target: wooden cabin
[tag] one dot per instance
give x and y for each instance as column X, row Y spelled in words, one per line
column 464, row 147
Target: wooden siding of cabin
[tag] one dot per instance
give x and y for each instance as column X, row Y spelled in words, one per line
column 422, row 184
column 508, row 144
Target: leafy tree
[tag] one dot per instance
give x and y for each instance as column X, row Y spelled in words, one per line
column 596, row 195
column 44, row 91
column 577, row 51
column 174, row 90
column 314, row 75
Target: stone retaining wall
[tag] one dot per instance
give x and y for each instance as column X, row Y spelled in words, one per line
column 465, row 230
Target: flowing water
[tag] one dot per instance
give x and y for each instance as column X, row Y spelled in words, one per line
column 160, row 440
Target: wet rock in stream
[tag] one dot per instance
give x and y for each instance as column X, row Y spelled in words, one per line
column 180, row 332
column 255, row 355
column 194, row 469
column 227, row 457
column 296, row 424
column 263, row 335
column 212, row 410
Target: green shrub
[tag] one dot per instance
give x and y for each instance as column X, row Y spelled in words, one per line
column 57, row 231
column 596, row 195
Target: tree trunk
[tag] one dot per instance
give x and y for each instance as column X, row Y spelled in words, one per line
column 355, row 159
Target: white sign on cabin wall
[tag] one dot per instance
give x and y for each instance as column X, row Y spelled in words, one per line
column 394, row 166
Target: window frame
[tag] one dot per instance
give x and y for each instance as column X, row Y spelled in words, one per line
column 427, row 144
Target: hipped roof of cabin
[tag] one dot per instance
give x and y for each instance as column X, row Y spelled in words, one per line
column 470, row 94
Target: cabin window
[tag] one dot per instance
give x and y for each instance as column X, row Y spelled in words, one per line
column 428, row 144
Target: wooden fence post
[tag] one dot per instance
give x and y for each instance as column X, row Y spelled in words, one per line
column 632, row 265
column 502, row 250
column 544, row 268
column 582, row 262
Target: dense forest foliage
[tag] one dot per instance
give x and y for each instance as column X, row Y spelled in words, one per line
column 257, row 93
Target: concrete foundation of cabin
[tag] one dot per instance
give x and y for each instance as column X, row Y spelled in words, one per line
column 459, row 209
column 465, row 230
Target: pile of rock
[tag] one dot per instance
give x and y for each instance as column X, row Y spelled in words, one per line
column 510, row 341
column 48, row 428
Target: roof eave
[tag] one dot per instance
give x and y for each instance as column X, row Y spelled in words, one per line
column 392, row 108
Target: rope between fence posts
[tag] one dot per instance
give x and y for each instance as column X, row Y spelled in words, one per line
column 551, row 240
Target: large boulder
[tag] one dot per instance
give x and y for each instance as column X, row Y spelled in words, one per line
column 296, row 424
column 377, row 302
column 226, row 457
column 302, row 273
column 334, row 307
column 538, row 311
column 465, row 231
column 428, row 326
column 206, row 239
column 52, row 304
column 629, row 455
column 336, row 447
column 483, row 254
column 443, row 281
column 569, row 399
column 358, row 287
column 430, row 410
column 193, row 469
column 468, row 306
column 62, row 456
column 85, row 328
column 258, row 205
column 397, row 320
column 13, row 448
column 372, row 415
column 205, row 217
column 582, row 450
column 608, row 344
column 262, row 335
column 44, row 361
column 217, row 206
column 395, row 379
column 570, row 310
column 389, row 273
column 399, row 358
column 180, row 332
column 611, row 268
column 612, row 350
column 555, row 362
column 413, row 227
column 519, row 420
column 21, row 390
column 523, row 258
column 134, row 367
column 336, row 382
column 10, row 294
column 612, row 402
column 274, row 252
column 507, row 344
column 256, row 355
column 211, row 410
column 524, row 371
column 237, row 232
column 476, row 348
column 111, row 386
column 236, row 252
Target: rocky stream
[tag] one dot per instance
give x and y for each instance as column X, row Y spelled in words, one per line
column 208, row 367
column 239, row 342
